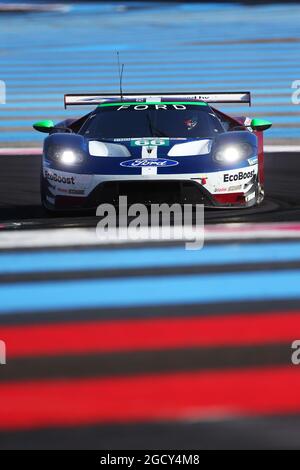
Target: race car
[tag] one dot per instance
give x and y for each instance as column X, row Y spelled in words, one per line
column 153, row 148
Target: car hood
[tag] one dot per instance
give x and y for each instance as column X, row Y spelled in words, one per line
column 150, row 147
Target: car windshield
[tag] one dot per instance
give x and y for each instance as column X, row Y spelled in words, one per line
column 176, row 120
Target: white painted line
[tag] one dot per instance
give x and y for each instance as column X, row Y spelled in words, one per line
column 32, row 7
column 20, row 151
column 71, row 237
column 248, row 231
column 85, row 237
column 255, row 235
column 282, row 148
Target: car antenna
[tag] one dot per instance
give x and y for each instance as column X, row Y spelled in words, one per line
column 121, row 70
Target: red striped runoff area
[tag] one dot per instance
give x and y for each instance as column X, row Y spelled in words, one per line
column 152, row 334
column 182, row 396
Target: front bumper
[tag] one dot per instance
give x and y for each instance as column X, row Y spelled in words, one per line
column 66, row 191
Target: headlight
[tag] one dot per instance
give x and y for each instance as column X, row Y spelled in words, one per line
column 68, row 157
column 234, row 153
column 65, row 157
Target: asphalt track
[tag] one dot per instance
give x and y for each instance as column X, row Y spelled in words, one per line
column 20, row 196
column 211, row 372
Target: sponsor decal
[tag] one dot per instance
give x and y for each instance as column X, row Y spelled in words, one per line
column 148, row 138
column 235, row 188
column 250, row 197
column 241, row 175
column 58, row 178
column 221, row 190
column 144, row 107
column 77, row 191
column 149, row 142
column 149, row 162
column 63, row 190
column 252, row 160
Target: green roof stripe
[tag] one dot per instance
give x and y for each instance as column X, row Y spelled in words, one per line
column 201, row 103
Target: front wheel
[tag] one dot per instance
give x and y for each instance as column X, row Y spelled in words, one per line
column 44, row 195
column 260, row 194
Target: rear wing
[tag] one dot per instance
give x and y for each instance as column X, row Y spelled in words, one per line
column 241, row 97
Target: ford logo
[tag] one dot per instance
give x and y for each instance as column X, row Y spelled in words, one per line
column 154, row 162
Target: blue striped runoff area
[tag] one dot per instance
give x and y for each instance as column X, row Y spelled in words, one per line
column 43, row 296
column 149, row 291
column 139, row 258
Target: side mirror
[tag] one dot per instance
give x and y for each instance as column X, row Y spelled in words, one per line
column 260, row 125
column 44, row 126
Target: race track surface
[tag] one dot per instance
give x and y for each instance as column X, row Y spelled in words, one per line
column 20, row 195
column 151, row 346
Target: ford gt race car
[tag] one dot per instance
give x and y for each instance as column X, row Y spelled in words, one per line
column 153, row 148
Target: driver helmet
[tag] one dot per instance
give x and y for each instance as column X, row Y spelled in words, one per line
column 191, row 122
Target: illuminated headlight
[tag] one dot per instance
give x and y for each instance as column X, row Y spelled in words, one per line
column 66, row 157
column 234, row 153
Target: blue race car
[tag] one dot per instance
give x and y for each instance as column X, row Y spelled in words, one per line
column 154, row 148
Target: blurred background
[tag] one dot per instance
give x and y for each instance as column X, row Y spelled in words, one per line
column 170, row 46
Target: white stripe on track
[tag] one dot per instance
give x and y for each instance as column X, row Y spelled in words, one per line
column 21, row 152
column 81, row 237
column 282, row 148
